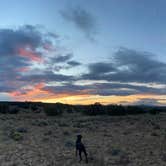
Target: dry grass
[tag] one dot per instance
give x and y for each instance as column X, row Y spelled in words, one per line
column 49, row 141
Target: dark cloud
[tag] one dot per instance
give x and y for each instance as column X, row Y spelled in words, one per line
column 46, row 77
column 147, row 102
column 129, row 66
column 68, row 88
column 61, row 62
column 82, row 19
column 4, row 88
column 124, row 89
column 106, row 89
column 73, row 63
column 19, row 49
column 101, row 67
column 61, row 58
column 11, row 40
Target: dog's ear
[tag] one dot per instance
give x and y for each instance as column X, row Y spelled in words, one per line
column 79, row 136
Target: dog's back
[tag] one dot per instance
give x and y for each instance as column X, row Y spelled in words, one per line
column 79, row 145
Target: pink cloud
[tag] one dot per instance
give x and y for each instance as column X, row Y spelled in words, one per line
column 23, row 69
column 30, row 55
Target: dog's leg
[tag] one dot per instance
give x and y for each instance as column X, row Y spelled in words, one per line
column 85, row 153
column 80, row 155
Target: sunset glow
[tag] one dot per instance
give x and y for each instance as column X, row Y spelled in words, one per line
column 30, row 55
column 82, row 53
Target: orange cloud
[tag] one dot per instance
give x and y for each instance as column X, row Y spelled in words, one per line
column 37, row 93
column 30, row 55
column 29, row 94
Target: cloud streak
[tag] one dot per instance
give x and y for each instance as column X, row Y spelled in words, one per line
column 82, row 19
column 129, row 66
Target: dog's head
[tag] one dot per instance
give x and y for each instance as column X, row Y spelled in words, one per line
column 79, row 137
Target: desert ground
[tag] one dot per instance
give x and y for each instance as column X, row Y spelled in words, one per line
column 30, row 139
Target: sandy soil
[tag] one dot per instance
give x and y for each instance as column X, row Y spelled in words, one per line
column 110, row 141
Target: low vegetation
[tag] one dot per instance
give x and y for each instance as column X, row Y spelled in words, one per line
column 112, row 134
column 92, row 110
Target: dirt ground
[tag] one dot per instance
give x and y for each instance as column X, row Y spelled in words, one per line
column 138, row 140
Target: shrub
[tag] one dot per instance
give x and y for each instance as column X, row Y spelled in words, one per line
column 134, row 110
column 25, row 105
column 40, row 123
column 153, row 111
column 124, row 160
column 69, row 144
column 17, row 136
column 70, row 109
column 95, row 109
column 52, row 110
column 13, row 110
column 116, row 110
column 10, row 109
column 4, row 108
column 22, row 130
column 112, row 110
column 34, row 107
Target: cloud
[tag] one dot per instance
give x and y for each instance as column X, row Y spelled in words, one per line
column 148, row 102
column 69, row 89
column 26, row 36
column 33, row 56
column 82, row 19
column 101, row 67
column 63, row 62
column 129, row 66
column 19, row 48
column 46, row 77
column 29, row 58
column 106, row 89
column 61, row 58
column 73, row 63
column 33, row 67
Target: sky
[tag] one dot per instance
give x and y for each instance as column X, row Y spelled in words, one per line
column 82, row 52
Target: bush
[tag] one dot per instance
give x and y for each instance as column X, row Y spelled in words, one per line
column 25, row 105
column 134, row 110
column 4, row 108
column 154, row 111
column 70, row 109
column 116, row 110
column 13, row 110
column 112, row 110
column 52, row 110
column 17, row 136
column 95, row 109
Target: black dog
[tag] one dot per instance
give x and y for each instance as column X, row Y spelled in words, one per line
column 80, row 148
